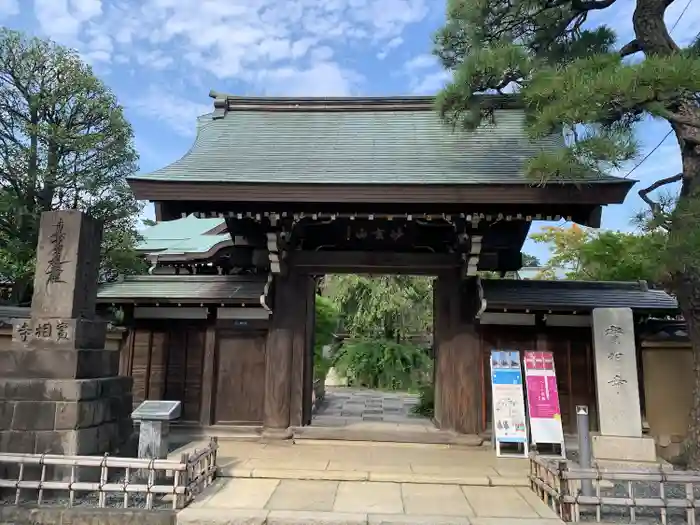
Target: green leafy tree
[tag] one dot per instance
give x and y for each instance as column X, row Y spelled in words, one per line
column 586, row 254
column 576, row 81
column 392, row 307
column 530, row 261
column 64, row 144
column 325, row 328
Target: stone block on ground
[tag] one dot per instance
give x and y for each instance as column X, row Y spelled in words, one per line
column 616, row 448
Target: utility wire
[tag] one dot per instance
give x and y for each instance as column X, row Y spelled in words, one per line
column 687, row 5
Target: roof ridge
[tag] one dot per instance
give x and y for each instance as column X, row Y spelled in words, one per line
column 224, row 102
column 172, row 277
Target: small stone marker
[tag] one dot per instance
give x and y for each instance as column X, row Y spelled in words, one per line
column 155, row 418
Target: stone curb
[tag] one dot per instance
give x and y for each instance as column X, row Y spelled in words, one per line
column 353, row 475
column 282, row 517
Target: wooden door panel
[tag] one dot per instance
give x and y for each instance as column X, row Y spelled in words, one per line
column 240, row 379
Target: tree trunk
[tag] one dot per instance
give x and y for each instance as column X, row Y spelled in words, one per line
column 654, row 39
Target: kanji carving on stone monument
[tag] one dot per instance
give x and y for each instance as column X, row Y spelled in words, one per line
column 54, row 270
column 614, row 332
column 617, row 381
column 615, row 356
column 61, row 331
column 24, row 331
column 43, row 330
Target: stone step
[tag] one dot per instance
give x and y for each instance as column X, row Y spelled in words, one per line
column 390, row 435
column 199, row 516
column 389, row 477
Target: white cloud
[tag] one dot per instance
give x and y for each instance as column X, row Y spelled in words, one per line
column 272, row 46
column 426, row 75
column 322, row 79
column 389, row 47
column 178, row 112
column 8, row 8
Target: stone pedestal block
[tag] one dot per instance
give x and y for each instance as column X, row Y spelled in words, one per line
column 59, row 363
column 624, row 449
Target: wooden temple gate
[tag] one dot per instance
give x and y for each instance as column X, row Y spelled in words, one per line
column 311, row 186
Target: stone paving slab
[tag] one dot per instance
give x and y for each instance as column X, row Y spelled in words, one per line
column 284, row 501
column 264, row 517
column 344, row 406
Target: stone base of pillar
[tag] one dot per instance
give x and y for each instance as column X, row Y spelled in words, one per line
column 72, row 417
column 622, row 449
column 277, row 434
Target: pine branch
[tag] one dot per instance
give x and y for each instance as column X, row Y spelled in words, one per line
column 679, row 119
column 656, row 208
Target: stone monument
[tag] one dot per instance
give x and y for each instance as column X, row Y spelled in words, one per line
column 619, row 410
column 60, row 392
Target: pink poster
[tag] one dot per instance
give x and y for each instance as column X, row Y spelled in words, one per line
column 543, row 398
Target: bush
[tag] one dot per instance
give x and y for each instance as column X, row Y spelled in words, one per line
column 383, row 364
column 426, row 402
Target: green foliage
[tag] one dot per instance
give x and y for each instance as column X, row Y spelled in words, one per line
column 384, row 364
column 571, row 79
column 64, row 144
column 426, row 401
column 587, row 254
column 326, row 324
column 391, row 307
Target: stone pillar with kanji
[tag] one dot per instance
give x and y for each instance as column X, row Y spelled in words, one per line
column 60, row 392
column 617, row 390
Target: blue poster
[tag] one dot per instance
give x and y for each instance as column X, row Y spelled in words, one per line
column 509, row 420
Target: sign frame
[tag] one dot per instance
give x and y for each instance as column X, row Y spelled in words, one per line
column 507, row 389
column 539, row 365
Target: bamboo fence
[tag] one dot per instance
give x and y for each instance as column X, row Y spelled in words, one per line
column 175, row 481
column 558, row 486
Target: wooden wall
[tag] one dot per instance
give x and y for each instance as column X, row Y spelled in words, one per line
column 239, row 377
column 573, row 361
column 165, row 359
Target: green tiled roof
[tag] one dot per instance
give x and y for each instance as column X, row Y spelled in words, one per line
column 362, row 141
column 183, row 289
column 182, row 236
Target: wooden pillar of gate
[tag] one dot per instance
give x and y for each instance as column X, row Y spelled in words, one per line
column 457, row 355
column 279, row 359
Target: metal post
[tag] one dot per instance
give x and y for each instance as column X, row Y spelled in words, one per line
column 584, row 446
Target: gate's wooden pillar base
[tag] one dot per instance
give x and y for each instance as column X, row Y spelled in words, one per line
column 278, row 360
column 458, row 355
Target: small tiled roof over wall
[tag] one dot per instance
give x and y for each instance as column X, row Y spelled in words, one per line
column 183, row 289
column 566, row 296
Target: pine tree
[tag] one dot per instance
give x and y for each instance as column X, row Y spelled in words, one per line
column 581, row 83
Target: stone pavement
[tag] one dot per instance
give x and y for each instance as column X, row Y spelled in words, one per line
column 305, row 502
column 368, row 483
column 344, row 405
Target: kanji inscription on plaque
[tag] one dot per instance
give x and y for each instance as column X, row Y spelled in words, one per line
column 55, row 330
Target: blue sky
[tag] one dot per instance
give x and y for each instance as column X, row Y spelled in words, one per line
column 162, row 57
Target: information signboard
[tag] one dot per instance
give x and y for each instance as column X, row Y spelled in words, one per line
column 543, row 400
column 508, row 401
column 157, row 411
